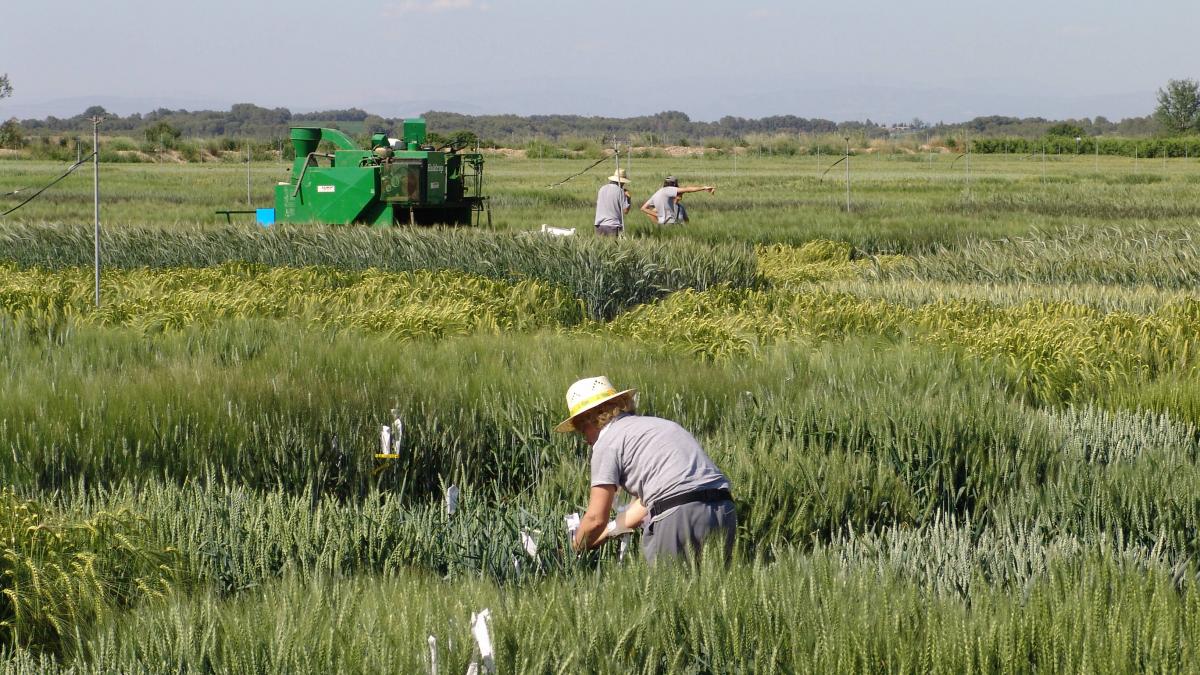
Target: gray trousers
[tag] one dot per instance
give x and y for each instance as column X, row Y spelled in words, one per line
column 608, row 230
column 683, row 531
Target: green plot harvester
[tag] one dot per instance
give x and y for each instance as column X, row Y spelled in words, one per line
column 398, row 181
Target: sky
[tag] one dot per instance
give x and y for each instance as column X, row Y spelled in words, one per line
column 839, row 59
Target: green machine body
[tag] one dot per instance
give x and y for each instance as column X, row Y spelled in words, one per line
column 397, row 181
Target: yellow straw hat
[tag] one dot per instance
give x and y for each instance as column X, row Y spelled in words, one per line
column 587, row 394
column 619, row 177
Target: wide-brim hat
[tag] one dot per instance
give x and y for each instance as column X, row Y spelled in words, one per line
column 587, row 394
column 619, row 177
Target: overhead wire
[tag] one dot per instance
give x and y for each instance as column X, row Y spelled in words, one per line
column 576, row 175
column 49, row 185
column 842, row 159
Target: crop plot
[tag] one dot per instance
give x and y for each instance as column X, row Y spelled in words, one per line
column 962, row 429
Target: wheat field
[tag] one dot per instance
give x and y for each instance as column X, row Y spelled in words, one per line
column 961, row 420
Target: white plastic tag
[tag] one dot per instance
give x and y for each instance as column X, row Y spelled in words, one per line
column 572, row 525
column 529, row 543
column 483, row 638
column 433, row 654
column 397, row 435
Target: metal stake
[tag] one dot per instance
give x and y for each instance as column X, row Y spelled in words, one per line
column 96, row 198
column 967, row 144
column 847, row 174
column 617, row 155
column 247, row 173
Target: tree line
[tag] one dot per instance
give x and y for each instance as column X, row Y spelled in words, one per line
column 665, row 128
column 1177, row 113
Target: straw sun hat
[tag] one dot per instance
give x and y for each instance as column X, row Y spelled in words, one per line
column 619, row 177
column 587, row 394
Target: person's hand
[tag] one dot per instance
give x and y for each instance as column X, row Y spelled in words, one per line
column 712, row 189
column 615, row 530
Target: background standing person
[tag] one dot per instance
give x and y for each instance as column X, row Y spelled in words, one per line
column 612, row 203
column 658, row 462
column 663, row 206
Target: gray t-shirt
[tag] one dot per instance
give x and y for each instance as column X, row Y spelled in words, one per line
column 611, row 203
column 663, row 201
column 652, row 459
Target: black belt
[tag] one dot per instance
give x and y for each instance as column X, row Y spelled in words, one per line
column 708, row 496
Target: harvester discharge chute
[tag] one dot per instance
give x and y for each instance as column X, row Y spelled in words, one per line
column 397, row 181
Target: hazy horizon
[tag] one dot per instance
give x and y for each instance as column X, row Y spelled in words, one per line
column 857, row 60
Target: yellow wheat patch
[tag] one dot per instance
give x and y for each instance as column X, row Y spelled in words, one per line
column 818, row 260
column 403, row 305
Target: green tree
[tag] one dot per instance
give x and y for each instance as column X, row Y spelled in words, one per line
column 1066, row 130
column 374, row 124
column 10, row 131
column 1178, row 109
column 10, row 135
column 161, row 132
column 464, row 139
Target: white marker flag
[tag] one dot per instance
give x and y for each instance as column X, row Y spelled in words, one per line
column 529, row 543
column 397, row 435
column 483, row 638
column 432, row 655
column 572, row 525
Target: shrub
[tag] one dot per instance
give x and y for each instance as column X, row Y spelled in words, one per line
column 539, row 149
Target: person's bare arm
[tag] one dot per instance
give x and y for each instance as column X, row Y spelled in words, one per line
column 628, row 201
column 633, row 516
column 648, row 209
column 595, row 519
column 710, row 189
column 629, row 519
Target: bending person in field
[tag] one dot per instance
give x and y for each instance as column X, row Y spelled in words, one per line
column 665, row 205
column 612, row 203
column 681, row 496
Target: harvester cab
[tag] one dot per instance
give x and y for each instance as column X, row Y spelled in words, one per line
column 397, row 181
